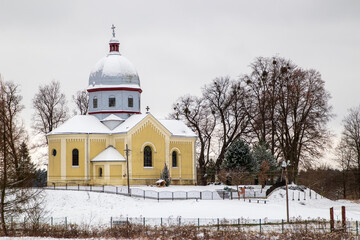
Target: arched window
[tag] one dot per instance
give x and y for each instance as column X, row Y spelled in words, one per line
column 130, row 101
column 174, row 159
column 147, row 157
column 75, row 157
column 112, row 101
column 95, row 102
column 100, row 172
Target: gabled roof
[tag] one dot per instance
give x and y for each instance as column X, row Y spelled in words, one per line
column 177, row 128
column 112, row 117
column 110, row 154
column 81, row 124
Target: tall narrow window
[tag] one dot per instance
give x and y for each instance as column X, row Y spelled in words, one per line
column 75, row 157
column 112, row 101
column 174, row 159
column 95, row 102
column 130, row 101
column 100, row 172
column 147, row 157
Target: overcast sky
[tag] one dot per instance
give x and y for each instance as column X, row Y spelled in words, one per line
column 178, row 46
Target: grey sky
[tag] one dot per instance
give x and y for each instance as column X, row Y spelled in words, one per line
column 178, row 46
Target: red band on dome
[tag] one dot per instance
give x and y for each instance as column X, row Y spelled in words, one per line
column 132, row 112
column 115, row 89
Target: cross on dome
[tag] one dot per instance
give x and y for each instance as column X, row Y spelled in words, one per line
column 113, row 28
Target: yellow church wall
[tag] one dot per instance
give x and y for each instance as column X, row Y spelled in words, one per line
column 156, row 140
column 185, row 170
column 120, row 145
column 75, row 172
column 116, row 174
column 54, row 164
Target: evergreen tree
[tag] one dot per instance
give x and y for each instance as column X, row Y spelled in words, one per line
column 165, row 175
column 239, row 157
column 261, row 153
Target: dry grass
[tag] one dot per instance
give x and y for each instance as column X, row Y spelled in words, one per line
column 133, row 231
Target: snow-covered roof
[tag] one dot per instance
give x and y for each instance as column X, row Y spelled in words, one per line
column 177, row 128
column 112, row 117
column 129, row 123
column 81, row 124
column 91, row 124
column 110, row 154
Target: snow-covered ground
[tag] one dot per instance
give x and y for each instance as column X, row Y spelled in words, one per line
column 98, row 208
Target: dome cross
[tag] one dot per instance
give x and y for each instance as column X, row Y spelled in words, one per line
column 113, row 28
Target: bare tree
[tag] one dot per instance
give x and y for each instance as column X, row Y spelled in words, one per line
column 263, row 90
column 50, row 108
column 351, row 137
column 302, row 114
column 199, row 117
column 227, row 99
column 346, row 158
column 16, row 172
column 81, row 100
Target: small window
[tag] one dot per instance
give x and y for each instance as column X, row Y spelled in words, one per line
column 130, row 102
column 147, row 157
column 174, row 159
column 112, row 102
column 95, row 102
column 100, row 172
column 54, row 152
column 75, row 157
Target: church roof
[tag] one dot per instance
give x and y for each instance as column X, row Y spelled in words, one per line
column 83, row 124
column 110, row 154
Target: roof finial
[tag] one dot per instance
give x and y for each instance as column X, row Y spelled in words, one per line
column 113, row 28
column 147, row 109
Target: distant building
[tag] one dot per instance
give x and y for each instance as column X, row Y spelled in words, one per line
column 90, row 149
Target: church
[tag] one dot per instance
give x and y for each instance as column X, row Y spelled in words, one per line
column 94, row 149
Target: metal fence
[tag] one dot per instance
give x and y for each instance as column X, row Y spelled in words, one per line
column 240, row 224
column 251, row 194
column 220, row 194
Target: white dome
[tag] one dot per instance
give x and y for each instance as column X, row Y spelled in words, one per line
column 114, row 69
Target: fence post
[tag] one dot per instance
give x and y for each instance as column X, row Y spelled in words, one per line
column 90, row 188
column 260, row 224
column 51, row 221
column 218, row 224
column 66, row 186
column 158, row 196
column 200, row 195
column 304, row 196
column 78, row 187
column 293, row 196
column 127, row 220
column 238, row 224
column 306, row 226
column 111, row 222
column 172, row 196
column 54, row 185
column 198, row 223
column 282, row 225
column 343, row 218
column 331, row 219
column 179, row 221
column 223, row 195
column 357, row 227
column 144, row 221
column 212, row 195
column 186, row 195
column 298, row 196
column 103, row 188
column 65, row 222
column 161, row 221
